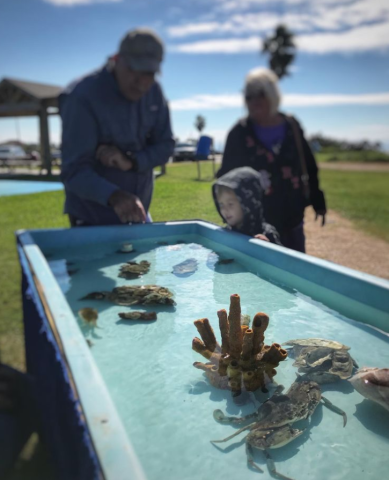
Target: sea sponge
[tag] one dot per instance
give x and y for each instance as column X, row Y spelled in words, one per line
column 242, row 361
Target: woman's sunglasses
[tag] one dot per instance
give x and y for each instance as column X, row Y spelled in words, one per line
column 257, row 95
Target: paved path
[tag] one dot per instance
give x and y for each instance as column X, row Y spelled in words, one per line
column 340, row 242
column 355, row 167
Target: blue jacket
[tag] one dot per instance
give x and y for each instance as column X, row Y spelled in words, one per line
column 94, row 112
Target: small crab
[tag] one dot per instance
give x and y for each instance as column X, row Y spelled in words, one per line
column 272, row 427
column 135, row 294
column 322, row 361
column 133, row 269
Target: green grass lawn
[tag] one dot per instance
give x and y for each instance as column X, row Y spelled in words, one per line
column 362, row 197
column 368, row 156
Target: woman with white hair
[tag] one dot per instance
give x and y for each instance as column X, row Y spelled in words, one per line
column 274, row 144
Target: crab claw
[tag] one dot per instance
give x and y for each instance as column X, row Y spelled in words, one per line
column 94, row 296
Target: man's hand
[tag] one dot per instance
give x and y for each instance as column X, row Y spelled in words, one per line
column 260, row 236
column 321, row 213
column 127, row 207
column 111, row 156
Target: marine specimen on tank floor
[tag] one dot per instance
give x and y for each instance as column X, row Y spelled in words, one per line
column 135, row 294
column 322, row 361
column 138, row 315
column 126, row 248
column 132, row 270
column 89, row 315
column 214, row 260
column 272, row 425
column 373, row 383
column 186, row 268
column 243, row 362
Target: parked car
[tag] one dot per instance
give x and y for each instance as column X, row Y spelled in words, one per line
column 34, row 155
column 11, row 152
column 184, row 151
column 56, row 154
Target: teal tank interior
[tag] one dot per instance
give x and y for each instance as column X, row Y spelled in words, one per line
column 164, row 405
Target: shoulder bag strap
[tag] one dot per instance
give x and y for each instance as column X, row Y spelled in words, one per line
column 304, row 176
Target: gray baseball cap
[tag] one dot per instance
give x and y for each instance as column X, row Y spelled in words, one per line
column 142, row 50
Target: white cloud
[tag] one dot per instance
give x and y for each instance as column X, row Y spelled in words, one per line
column 226, row 45
column 70, row 3
column 372, row 37
column 367, row 38
column 322, row 26
column 235, row 100
column 207, row 102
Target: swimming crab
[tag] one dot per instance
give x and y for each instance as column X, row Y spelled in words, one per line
column 272, row 426
column 135, row 294
column 133, row 270
column 321, row 360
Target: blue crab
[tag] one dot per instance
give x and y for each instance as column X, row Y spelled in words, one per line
column 272, row 427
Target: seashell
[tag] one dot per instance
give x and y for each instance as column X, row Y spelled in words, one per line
column 373, row 383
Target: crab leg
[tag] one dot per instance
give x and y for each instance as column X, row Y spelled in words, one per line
column 234, row 434
column 272, row 467
column 250, row 458
column 219, row 416
column 335, row 409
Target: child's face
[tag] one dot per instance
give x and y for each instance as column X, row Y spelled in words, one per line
column 230, row 208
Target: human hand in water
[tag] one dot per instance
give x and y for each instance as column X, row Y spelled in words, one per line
column 127, row 207
column 111, row 156
column 262, row 237
column 321, row 213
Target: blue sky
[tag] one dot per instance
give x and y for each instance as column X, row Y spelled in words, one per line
column 340, row 80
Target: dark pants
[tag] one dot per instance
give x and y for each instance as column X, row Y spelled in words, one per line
column 294, row 238
column 17, row 425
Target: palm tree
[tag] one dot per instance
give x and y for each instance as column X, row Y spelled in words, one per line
column 200, row 123
column 281, row 49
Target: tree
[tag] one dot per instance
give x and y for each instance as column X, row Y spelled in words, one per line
column 281, row 49
column 200, row 123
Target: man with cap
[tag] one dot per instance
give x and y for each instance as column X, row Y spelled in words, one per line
column 115, row 130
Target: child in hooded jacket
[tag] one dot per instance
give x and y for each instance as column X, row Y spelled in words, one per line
column 238, row 199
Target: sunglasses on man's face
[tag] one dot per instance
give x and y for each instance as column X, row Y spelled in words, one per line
column 255, row 96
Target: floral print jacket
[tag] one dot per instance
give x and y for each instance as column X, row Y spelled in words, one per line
column 284, row 200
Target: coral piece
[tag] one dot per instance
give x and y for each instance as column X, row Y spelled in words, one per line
column 243, row 361
column 138, row 315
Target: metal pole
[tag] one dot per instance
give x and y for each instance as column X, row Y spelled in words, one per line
column 44, row 139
